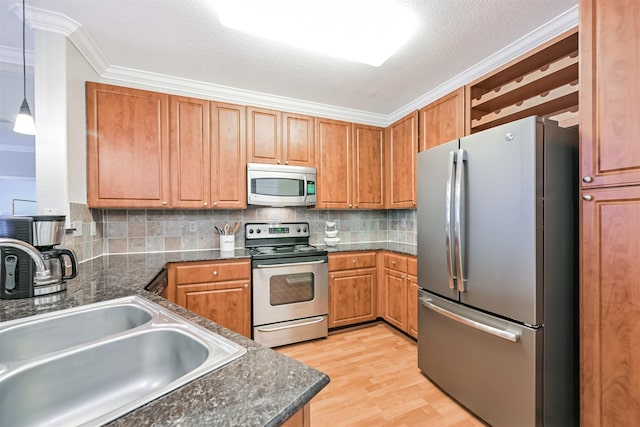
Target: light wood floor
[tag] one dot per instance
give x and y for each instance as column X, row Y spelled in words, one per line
column 375, row 381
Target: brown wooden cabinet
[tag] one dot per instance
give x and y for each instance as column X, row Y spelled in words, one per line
column 217, row 290
column 280, row 138
column 610, row 213
column 127, row 147
column 298, row 140
column 350, row 165
column 412, row 296
column 190, row 152
column 400, row 160
column 333, row 147
column 352, row 288
column 442, row 121
column 228, row 156
column 609, row 106
column 152, row 150
column 610, row 306
column 368, row 167
column 398, row 292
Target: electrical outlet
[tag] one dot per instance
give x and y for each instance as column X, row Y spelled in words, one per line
column 78, row 228
column 93, row 228
column 193, row 226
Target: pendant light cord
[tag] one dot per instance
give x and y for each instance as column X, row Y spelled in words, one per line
column 24, row 57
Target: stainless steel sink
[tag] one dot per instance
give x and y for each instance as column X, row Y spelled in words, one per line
column 99, row 378
column 34, row 336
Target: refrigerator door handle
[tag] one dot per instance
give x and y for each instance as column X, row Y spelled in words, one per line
column 457, row 219
column 500, row 333
column 447, row 219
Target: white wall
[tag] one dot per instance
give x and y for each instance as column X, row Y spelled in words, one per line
column 78, row 72
column 17, row 188
column 60, row 73
column 51, row 137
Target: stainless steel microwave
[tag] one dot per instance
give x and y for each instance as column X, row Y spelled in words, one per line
column 280, row 185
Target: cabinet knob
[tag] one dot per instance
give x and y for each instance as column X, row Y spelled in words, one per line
column 286, row 162
column 164, row 203
column 393, row 263
column 215, row 273
column 587, row 179
column 278, row 161
column 356, row 205
column 206, row 204
column 587, row 197
column 350, row 205
column 333, row 276
column 215, row 203
column 353, row 261
column 246, row 285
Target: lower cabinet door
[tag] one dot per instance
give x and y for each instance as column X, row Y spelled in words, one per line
column 395, row 298
column 352, row 297
column 412, row 306
column 226, row 303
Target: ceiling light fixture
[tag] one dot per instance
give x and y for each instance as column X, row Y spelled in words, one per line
column 367, row 31
column 24, row 122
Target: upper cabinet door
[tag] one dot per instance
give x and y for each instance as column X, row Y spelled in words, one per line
column 228, row 156
column 189, row 144
column 333, row 145
column 264, row 135
column 298, row 148
column 442, row 121
column 368, row 167
column 609, row 88
column 127, row 147
column 400, row 157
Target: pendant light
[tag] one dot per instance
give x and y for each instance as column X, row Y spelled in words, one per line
column 24, row 122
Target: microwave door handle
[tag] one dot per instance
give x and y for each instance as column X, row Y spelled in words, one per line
column 305, row 188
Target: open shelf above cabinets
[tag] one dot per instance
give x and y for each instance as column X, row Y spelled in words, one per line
column 544, row 82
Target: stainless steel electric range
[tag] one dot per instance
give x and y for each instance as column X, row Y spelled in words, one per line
column 290, row 283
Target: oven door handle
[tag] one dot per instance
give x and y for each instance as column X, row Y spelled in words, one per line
column 290, row 264
column 312, row 321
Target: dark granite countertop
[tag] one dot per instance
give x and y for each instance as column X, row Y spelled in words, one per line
column 403, row 248
column 262, row 388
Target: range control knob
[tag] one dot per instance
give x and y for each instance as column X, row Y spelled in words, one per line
column 298, row 229
column 258, row 231
column 251, row 231
column 304, row 230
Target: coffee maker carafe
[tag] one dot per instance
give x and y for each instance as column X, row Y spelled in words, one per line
column 30, row 265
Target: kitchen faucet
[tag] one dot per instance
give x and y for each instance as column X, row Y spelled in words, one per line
column 42, row 272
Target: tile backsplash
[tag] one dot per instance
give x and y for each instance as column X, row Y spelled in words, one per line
column 85, row 246
column 169, row 230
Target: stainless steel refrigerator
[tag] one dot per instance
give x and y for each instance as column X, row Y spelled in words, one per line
column 496, row 267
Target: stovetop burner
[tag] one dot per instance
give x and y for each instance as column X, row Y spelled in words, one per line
column 279, row 240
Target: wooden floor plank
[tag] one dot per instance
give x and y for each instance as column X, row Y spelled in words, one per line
column 375, row 381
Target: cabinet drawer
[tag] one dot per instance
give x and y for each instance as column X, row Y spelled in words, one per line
column 351, row 260
column 395, row 262
column 412, row 265
column 217, row 271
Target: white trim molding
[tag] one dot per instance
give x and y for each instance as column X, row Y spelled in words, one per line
column 51, row 21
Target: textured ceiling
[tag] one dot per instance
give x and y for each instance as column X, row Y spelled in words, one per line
column 184, row 39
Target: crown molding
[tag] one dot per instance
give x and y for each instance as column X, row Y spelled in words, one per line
column 524, row 44
column 56, row 22
column 12, row 55
column 46, row 20
column 18, row 148
column 187, row 87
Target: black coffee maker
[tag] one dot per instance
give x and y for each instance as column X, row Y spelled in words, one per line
column 30, row 266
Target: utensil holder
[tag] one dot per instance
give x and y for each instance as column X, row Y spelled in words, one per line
column 227, row 243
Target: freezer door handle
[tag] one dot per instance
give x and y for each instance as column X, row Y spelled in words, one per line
column 458, row 225
column 447, row 219
column 500, row 333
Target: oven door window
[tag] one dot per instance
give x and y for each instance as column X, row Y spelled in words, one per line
column 278, row 187
column 291, row 288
